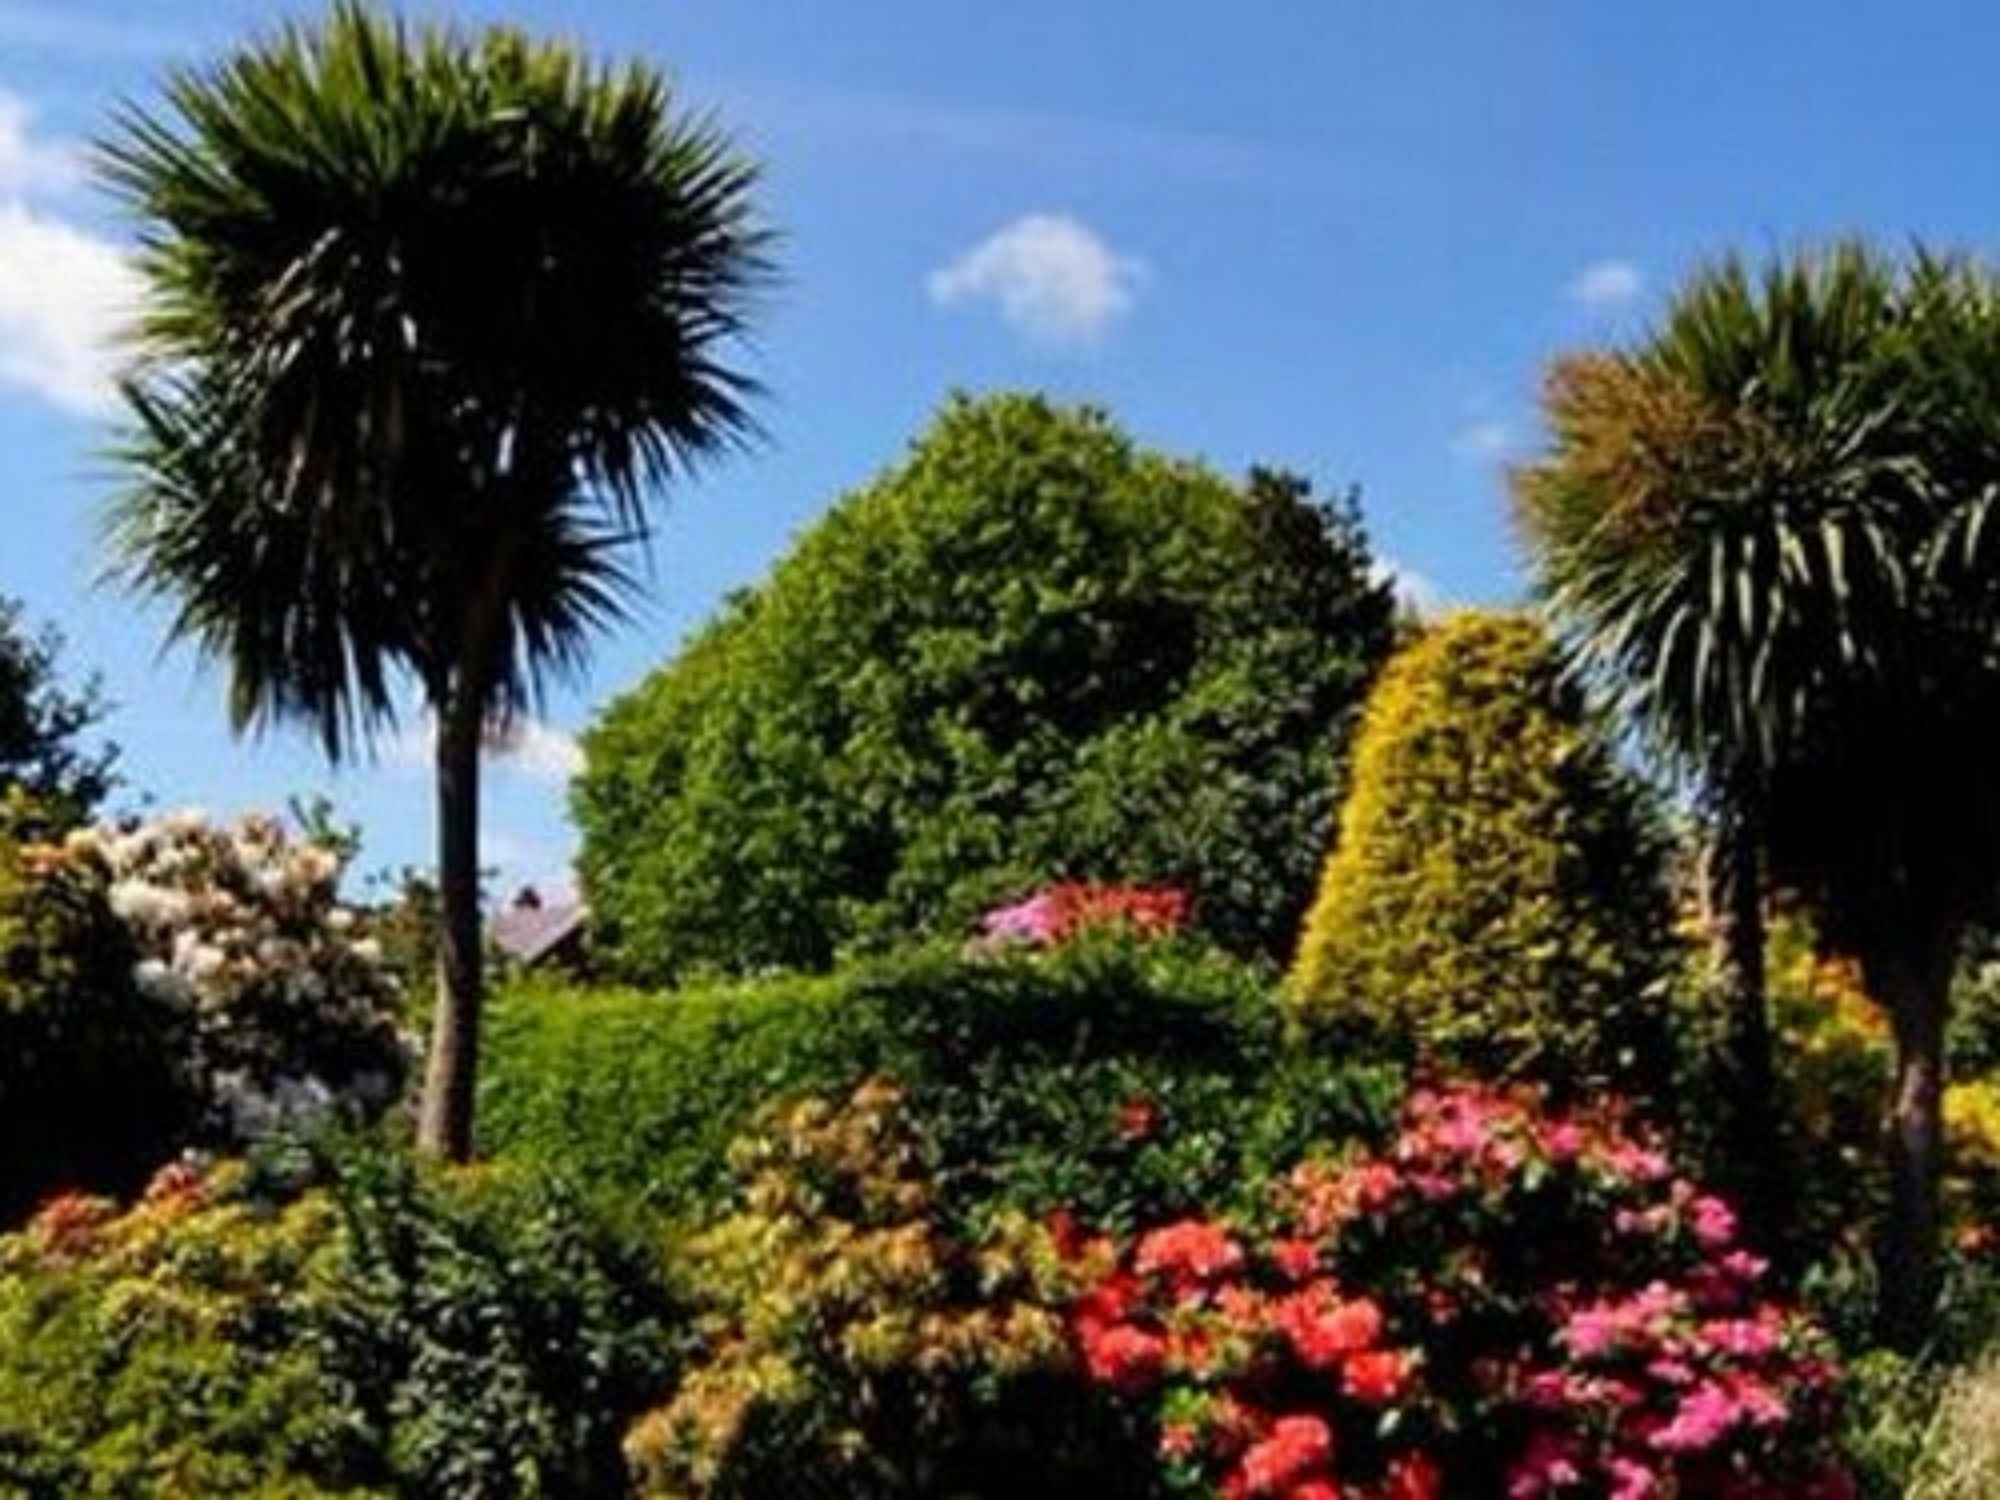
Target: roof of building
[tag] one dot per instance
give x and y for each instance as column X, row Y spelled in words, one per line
column 529, row 928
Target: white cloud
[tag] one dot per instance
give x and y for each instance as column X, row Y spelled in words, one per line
column 64, row 292
column 538, row 751
column 1052, row 277
column 1484, row 440
column 1415, row 592
column 1606, row 285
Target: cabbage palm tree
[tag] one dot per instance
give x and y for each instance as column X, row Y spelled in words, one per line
column 1737, row 524
column 430, row 321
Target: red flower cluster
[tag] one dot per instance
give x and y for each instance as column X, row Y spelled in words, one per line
column 1057, row 913
column 1497, row 1270
column 67, row 1224
column 1265, row 1379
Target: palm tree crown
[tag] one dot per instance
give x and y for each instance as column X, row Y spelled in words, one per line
column 430, row 321
column 1762, row 528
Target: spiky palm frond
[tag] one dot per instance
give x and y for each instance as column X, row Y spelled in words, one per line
column 1727, row 518
column 1764, row 530
column 431, row 321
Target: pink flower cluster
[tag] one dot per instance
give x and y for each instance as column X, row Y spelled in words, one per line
column 1556, row 1265
column 1057, row 913
column 1497, row 1269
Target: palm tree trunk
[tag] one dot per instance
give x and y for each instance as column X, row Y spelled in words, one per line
column 1736, row 911
column 444, row 1124
column 1914, row 985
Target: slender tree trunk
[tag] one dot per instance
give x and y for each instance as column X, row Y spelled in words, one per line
column 1914, row 985
column 444, row 1125
column 1736, row 912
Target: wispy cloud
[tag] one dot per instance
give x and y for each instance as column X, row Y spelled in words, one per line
column 29, row 165
column 65, row 292
column 871, row 122
column 538, row 750
column 1606, row 285
column 1485, row 440
column 529, row 747
column 1416, row 592
column 1052, row 277
column 66, row 29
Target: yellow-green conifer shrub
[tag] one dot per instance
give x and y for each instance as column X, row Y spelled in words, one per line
column 1495, row 898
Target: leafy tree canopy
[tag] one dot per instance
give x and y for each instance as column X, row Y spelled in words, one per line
column 42, row 724
column 1032, row 650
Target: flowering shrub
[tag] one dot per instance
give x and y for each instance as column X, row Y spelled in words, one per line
column 286, row 1010
column 1504, row 1301
column 1058, row 913
column 160, row 1349
column 71, row 1039
column 1588, row 1318
column 1263, row 1376
column 848, row 1336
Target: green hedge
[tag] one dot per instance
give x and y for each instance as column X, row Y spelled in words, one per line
column 1121, row 1079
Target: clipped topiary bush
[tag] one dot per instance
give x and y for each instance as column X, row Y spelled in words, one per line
column 1496, row 895
column 1123, row 1076
column 1033, row 651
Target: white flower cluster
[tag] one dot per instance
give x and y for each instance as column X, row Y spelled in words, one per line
column 240, row 929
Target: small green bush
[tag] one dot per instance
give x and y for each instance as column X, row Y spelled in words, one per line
column 1496, row 895
column 1127, row 1078
column 390, row 1332
column 163, row 1350
column 1032, row 651
column 852, row 1345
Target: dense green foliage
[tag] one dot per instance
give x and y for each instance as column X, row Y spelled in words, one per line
column 1495, row 898
column 389, row 1334
column 1033, row 650
column 162, row 1352
column 1127, row 1080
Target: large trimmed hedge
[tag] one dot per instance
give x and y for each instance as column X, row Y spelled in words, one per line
column 1496, row 898
column 1124, row 1079
column 1033, row 650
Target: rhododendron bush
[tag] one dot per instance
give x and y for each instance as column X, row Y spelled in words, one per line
column 284, row 1009
column 1504, row 1301
column 1058, row 913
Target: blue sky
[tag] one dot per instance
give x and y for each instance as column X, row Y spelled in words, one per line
column 1337, row 236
